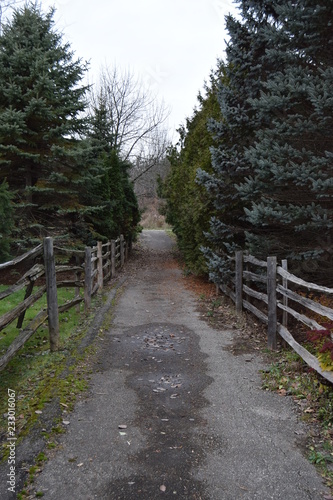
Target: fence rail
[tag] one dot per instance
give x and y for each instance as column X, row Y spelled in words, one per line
column 89, row 269
column 270, row 289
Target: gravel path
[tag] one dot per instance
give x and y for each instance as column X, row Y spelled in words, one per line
column 171, row 413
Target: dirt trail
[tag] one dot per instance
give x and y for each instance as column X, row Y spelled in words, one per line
column 170, row 412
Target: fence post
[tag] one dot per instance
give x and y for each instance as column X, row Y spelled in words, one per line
column 285, row 299
column 113, row 258
column 87, row 279
column 239, row 281
column 126, row 249
column 109, row 261
column 51, row 294
column 77, row 278
column 271, row 293
column 99, row 265
column 122, row 251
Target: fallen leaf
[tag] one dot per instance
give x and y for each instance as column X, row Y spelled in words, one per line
column 282, row 392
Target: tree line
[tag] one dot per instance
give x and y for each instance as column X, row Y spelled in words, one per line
column 253, row 168
column 67, row 148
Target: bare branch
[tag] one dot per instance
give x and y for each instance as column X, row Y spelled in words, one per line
column 134, row 114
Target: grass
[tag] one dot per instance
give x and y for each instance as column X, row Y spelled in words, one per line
column 68, row 320
column 37, row 375
column 288, row 375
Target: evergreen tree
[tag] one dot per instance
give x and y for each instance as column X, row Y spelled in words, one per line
column 292, row 183
column 6, row 221
column 188, row 208
column 115, row 209
column 246, row 69
column 41, row 101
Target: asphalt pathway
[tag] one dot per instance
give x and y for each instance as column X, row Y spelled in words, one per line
column 171, row 413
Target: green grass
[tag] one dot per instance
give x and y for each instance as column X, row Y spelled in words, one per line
column 37, row 375
column 288, row 375
column 68, row 320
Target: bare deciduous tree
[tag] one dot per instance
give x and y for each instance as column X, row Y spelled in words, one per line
column 135, row 117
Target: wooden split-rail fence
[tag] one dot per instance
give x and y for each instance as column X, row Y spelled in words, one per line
column 53, row 268
column 273, row 295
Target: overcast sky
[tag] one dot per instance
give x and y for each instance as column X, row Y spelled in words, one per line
column 171, row 44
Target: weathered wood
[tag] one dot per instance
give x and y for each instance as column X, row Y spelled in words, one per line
column 253, row 260
column 22, row 338
column 271, row 293
column 308, row 303
column 95, row 289
column 122, row 251
column 87, row 279
column 13, row 289
column 254, row 310
column 78, row 280
column 257, row 295
column 239, row 280
column 28, row 255
column 7, row 318
column 77, row 284
column 99, row 265
column 285, row 298
column 107, row 276
column 254, row 277
column 51, row 294
column 33, row 274
column 68, row 305
column 227, row 291
column 299, row 281
column 28, row 292
column 113, row 258
column 311, row 323
column 69, row 251
column 303, row 353
column 65, row 269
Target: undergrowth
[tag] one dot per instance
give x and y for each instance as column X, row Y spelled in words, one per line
column 288, row 375
column 38, row 376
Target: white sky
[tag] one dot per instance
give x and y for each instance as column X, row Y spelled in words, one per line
column 171, row 44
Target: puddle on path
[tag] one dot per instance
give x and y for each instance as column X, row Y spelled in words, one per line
column 168, row 373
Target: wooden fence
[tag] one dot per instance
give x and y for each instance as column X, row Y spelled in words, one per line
column 273, row 294
column 52, row 268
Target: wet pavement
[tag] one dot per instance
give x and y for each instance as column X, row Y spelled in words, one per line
column 170, row 412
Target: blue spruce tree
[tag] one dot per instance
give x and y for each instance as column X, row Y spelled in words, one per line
column 291, row 188
column 248, row 66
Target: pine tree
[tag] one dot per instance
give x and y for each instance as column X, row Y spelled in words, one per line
column 6, row 221
column 115, row 209
column 41, row 102
column 292, row 213
column 188, row 208
column 246, row 69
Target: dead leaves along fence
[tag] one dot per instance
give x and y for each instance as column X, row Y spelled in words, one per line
column 88, row 269
column 271, row 294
